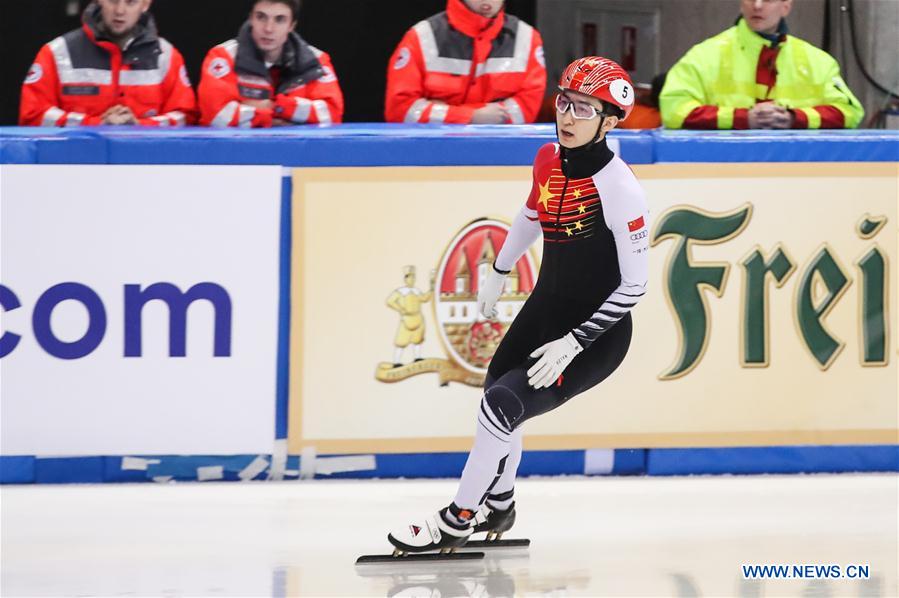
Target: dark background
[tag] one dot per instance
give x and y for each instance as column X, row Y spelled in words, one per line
column 360, row 36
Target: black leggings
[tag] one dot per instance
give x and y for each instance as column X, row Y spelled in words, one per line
column 542, row 320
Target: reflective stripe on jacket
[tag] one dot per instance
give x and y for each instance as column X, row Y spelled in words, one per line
column 77, row 77
column 237, row 89
column 457, row 61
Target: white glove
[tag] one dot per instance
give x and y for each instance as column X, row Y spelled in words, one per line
column 489, row 292
column 556, row 355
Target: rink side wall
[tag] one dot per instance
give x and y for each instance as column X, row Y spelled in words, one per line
column 230, row 413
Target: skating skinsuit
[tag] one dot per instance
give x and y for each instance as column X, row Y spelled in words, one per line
column 593, row 215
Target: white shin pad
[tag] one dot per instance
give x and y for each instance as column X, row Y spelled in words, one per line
column 491, row 446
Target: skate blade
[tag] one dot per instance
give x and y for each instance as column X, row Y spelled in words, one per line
column 419, row 557
column 518, row 543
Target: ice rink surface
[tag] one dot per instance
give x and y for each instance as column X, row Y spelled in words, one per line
column 590, row 537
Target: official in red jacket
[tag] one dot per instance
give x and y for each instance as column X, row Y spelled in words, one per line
column 471, row 64
column 269, row 76
column 114, row 70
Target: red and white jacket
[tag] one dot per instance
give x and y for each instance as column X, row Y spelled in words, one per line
column 455, row 62
column 301, row 88
column 77, row 77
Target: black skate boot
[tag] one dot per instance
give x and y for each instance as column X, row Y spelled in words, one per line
column 496, row 522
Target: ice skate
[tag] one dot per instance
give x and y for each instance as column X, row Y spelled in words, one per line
column 435, row 538
column 495, row 522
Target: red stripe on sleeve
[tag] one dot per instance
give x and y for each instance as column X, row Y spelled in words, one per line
column 831, row 118
column 702, row 117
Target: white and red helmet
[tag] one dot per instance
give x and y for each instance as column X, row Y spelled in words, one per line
column 601, row 78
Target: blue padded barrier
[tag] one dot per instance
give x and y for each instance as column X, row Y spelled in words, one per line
column 90, row 148
column 450, row 465
column 388, row 145
column 114, row 472
column 346, row 145
column 16, row 470
column 776, row 459
column 776, row 146
column 661, row 462
column 184, row 468
column 629, row 462
column 164, row 468
column 69, row 470
column 428, row 145
column 28, row 145
column 17, row 148
column 407, row 465
column 552, row 463
column 282, row 383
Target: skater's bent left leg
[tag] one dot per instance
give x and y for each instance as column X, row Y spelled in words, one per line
column 494, row 459
column 508, row 402
column 498, row 411
column 501, row 495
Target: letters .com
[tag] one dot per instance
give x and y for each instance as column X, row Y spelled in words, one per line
column 135, row 299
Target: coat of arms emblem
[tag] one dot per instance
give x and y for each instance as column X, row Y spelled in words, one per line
column 468, row 339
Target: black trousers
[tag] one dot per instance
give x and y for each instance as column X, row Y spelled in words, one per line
column 542, row 319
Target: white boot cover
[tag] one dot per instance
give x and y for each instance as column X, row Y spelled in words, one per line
column 433, row 533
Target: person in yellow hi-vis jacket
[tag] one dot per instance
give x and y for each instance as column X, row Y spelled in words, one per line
column 755, row 76
column 407, row 300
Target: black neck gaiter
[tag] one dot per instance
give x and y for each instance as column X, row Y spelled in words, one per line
column 585, row 161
